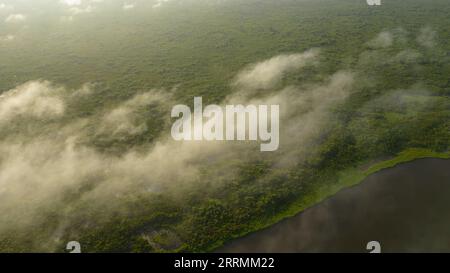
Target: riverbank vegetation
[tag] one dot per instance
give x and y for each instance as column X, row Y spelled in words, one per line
column 118, row 73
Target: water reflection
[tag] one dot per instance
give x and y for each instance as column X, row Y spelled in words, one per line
column 406, row 209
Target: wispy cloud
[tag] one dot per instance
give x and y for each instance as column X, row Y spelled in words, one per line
column 81, row 10
column 7, row 38
column 77, row 7
column 124, row 119
column 60, row 160
column 4, row 6
column 34, row 99
column 427, row 37
column 15, row 18
column 159, row 3
column 72, row 2
column 128, row 6
column 51, row 165
column 268, row 73
column 384, row 39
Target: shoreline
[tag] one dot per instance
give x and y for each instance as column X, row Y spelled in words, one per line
column 347, row 178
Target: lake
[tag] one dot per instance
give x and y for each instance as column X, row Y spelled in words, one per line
column 405, row 209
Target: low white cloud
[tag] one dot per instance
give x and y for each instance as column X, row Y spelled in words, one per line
column 72, row 2
column 37, row 172
column 77, row 7
column 124, row 119
column 15, row 18
column 427, row 37
column 128, row 6
column 384, row 39
column 80, row 10
column 159, row 3
column 79, row 2
column 7, row 38
column 267, row 74
column 7, row 7
column 376, row 55
column 34, row 99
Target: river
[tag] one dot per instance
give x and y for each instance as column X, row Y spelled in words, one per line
column 405, row 209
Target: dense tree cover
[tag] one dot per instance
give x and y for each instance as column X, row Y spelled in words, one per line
column 198, row 49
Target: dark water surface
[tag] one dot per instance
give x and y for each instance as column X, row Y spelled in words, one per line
column 406, row 209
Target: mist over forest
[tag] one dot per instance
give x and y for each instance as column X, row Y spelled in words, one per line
column 87, row 87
